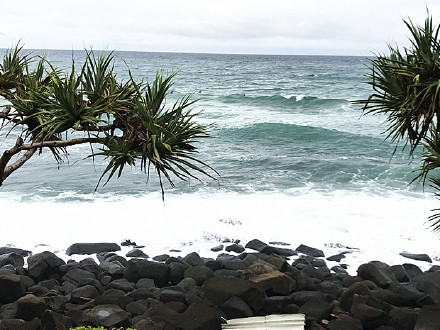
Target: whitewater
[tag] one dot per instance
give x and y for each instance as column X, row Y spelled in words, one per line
column 298, row 164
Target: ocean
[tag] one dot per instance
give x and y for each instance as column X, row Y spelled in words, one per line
column 298, row 164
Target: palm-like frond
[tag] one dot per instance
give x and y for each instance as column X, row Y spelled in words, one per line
column 406, row 86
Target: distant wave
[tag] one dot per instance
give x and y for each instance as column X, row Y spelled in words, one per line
column 283, row 100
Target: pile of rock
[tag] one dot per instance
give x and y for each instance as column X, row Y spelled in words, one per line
column 199, row 293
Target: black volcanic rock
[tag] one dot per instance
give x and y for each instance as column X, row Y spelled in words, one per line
column 92, row 248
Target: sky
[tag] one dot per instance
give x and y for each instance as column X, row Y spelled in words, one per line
column 294, row 27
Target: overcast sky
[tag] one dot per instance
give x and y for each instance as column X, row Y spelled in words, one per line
column 332, row 27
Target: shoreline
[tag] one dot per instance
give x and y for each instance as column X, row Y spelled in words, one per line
column 194, row 292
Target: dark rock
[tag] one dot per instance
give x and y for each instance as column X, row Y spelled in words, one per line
column 434, row 268
column 12, row 258
column 366, row 314
column 278, row 251
column 55, row 321
column 158, row 311
column 400, row 295
column 318, row 263
column 259, row 267
column 107, row 316
column 346, row 299
column 321, row 273
column 113, row 297
column 234, row 308
column 276, row 304
column 168, row 295
column 128, row 242
column 112, row 257
column 217, row 248
column 301, row 297
column 255, row 244
column 226, row 272
column 200, row 316
column 112, row 267
column 330, row 288
column 136, row 253
column 214, row 265
column 140, row 294
column 403, row 318
column 279, row 262
column 377, row 272
column 76, row 275
column 339, row 270
column 429, row 318
column 219, row 289
column 19, row 324
column 140, row 268
column 11, row 288
column 41, row 265
column 91, row 248
column 310, row 251
column 233, row 264
column 161, row 257
column 30, row 307
column 420, row 257
column 177, row 271
column 412, row 270
column 193, row 259
column 121, row 284
column 399, row 273
column 6, row 250
column 137, row 307
column 145, row 283
column 344, row 322
column 275, row 282
column 90, row 265
column 234, row 248
column 316, row 309
column 199, row 273
column 38, row 290
column 428, row 283
column 337, row 257
column 50, row 284
column 55, row 302
column 84, row 294
column 179, row 307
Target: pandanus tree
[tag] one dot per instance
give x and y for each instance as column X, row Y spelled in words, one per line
column 126, row 123
column 406, row 85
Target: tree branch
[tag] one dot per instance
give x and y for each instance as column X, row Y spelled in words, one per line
column 17, row 164
column 96, row 128
column 60, row 143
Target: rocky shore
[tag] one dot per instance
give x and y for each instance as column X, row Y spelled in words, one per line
column 42, row 291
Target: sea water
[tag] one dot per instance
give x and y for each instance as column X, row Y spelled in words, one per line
column 299, row 163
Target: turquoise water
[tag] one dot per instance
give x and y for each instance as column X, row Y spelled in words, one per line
column 279, row 123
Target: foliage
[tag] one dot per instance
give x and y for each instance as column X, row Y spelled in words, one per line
column 128, row 121
column 406, row 86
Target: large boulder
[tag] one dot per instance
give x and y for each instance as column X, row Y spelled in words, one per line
column 11, row 288
column 141, row 268
column 235, row 307
column 7, row 249
column 274, row 282
column 200, row 316
column 199, row 273
column 416, row 256
column 221, row 288
column 41, row 265
column 107, row 316
column 92, row 248
column 30, row 307
column 55, row 321
column 378, row 272
column 310, row 251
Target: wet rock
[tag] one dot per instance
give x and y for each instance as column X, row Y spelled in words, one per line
column 136, row 253
column 11, row 288
column 234, row 248
column 30, row 307
column 310, row 251
column 337, row 257
column 415, row 256
column 91, row 248
column 6, row 250
column 268, row 249
column 107, row 316
column 255, row 244
column 217, row 248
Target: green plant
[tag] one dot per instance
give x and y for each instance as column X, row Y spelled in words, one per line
column 128, row 121
column 406, row 86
